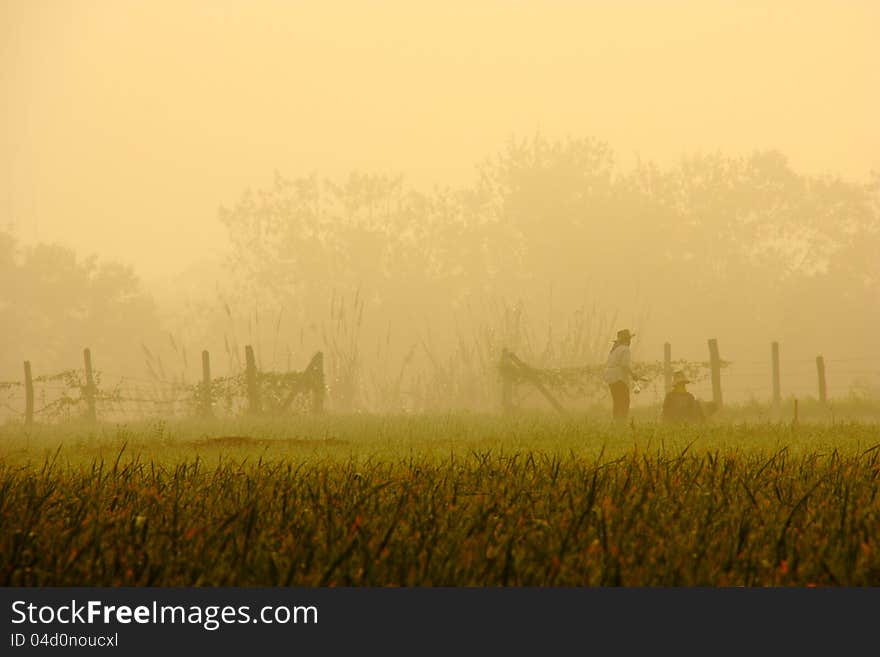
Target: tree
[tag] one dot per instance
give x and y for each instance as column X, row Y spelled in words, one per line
column 53, row 304
column 754, row 247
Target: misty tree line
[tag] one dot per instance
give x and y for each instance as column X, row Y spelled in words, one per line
column 53, row 304
column 710, row 243
column 546, row 252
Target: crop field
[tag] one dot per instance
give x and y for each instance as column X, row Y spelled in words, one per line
column 437, row 500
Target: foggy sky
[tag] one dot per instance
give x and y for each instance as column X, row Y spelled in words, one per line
column 124, row 125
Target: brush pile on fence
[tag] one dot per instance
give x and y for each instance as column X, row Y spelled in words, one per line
column 584, row 381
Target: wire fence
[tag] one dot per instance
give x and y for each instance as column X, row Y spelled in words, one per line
column 117, row 396
column 120, row 399
column 749, row 381
column 86, row 393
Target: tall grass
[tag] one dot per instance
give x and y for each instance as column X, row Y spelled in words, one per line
column 440, row 500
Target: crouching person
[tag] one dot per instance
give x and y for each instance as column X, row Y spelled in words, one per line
column 680, row 405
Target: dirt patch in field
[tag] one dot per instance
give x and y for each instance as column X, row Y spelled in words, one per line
column 248, row 441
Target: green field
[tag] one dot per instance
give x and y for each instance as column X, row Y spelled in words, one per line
column 457, row 499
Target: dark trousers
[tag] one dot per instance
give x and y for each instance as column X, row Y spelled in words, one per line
column 620, row 397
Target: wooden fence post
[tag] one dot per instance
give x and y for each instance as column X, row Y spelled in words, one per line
column 820, row 370
column 506, row 383
column 28, row 394
column 667, row 366
column 206, row 384
column 253, row 387
column 89, row 390
column 777, row 389
column 319, row 389
column 715, row 365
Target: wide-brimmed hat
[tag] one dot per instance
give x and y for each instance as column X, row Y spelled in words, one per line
column 623, row 334
column 679, row 377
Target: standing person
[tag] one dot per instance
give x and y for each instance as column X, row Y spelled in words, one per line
column 618, row 373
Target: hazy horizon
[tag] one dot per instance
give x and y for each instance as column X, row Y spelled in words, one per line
column 127, row 125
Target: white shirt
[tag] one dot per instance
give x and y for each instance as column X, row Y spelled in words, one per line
column 618, row 366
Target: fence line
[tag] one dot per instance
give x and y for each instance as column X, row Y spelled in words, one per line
column 29, row 398
column 515, row 372
column 286, row 386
